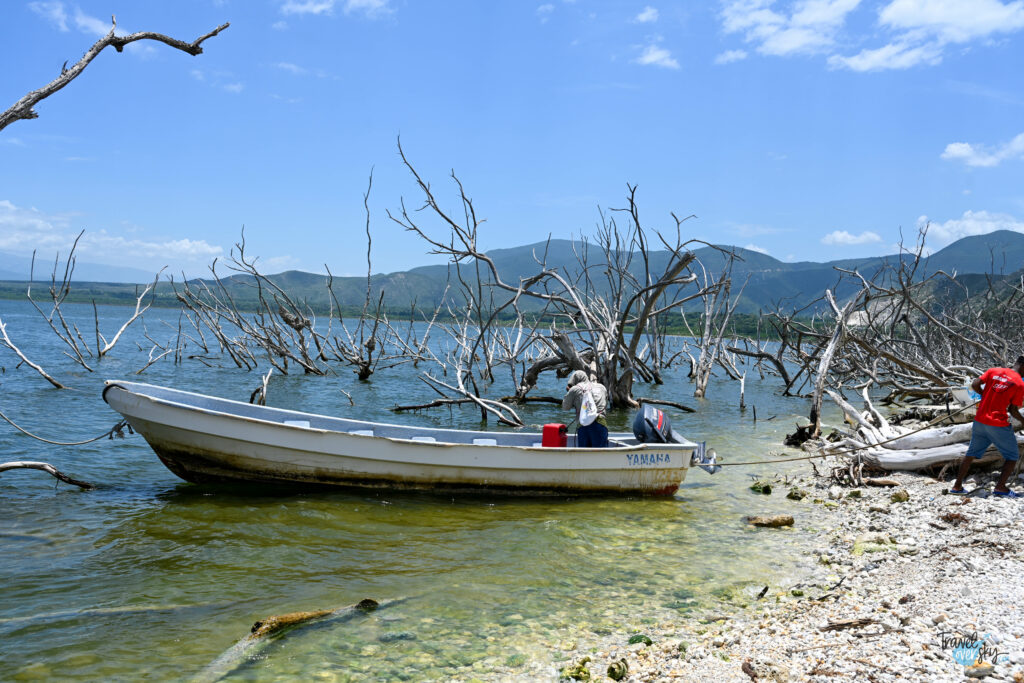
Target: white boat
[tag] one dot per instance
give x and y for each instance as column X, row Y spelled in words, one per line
column 206, row 439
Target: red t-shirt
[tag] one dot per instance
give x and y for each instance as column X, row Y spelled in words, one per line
column 1001, row 388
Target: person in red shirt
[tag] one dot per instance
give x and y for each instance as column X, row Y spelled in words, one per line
column 1002, row 391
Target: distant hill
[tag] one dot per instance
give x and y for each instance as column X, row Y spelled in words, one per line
column 998, row 253
column 14, row 267
column 769, row 281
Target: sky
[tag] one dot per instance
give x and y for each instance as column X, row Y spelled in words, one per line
column 809, row 130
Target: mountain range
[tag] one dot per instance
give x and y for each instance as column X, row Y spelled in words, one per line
column 769, row 281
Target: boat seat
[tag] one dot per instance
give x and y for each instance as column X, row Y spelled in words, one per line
column 424, row 439
column 485, row 442
column 362, row 432
column 297, row 423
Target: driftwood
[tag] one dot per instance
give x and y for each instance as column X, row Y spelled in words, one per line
column 24, row 108
column 45, row 467
column 914, row 449
column 6, row 341
column 843, row 624
column 886, row 459
column 663, row 402
column 266, row 631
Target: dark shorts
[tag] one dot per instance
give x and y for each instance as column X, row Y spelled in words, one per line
column 983, row 435
column 594, row 435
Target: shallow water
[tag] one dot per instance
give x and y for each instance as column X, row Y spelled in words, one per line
column 151, row 576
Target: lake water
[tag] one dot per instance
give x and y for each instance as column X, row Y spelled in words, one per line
column 149, row 576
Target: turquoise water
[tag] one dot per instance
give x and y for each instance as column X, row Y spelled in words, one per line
column 151, row 576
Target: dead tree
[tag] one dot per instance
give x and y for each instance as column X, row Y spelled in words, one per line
column 915, row 332
column 597, row 313
column 718, row 309
column 25, row 107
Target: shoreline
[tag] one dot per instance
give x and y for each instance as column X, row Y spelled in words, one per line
column 898, row 589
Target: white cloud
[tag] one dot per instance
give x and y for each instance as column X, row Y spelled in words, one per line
column 24, row 230
column 17, row 142
column 279, row 25
column 810, row 26
column 648, row 16
column 730, row 56
column 370, row 8
column 544, row 12
column 291, row 68
column 899, row 55
column 52, row 12
column 277, row 264
column 759, row 250
column 924, row 28
column 953, row 21
column 907, row 33
column 90, row 25
column 221, row 80
column 971, row 223
column 308, row 7
column 655, row 55
column 983, row 156
column 842, row 237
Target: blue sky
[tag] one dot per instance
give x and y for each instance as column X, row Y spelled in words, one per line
column 808, row 130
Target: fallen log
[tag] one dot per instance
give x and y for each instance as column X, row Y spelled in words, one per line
column 843, row 624
column 886, row 459
column 45, row 467
column 932, row 438
column 265, row 631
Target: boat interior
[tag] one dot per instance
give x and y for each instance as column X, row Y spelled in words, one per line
column 300, row 420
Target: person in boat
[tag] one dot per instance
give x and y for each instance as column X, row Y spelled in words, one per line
column 1002, row 391
column 595, row 434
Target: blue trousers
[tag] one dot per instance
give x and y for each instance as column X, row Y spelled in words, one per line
column 594, row 435
column 1001, row 437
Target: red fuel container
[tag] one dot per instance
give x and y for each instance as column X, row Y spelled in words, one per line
column 553, row 436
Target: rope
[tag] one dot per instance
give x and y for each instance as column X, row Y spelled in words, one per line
column 851, row 450
column 116, row 430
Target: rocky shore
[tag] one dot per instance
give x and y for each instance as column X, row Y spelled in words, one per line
column 911, row 583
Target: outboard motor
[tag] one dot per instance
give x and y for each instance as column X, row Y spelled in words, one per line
column 653, row 426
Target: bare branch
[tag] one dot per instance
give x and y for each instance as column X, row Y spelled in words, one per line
column 24, row 108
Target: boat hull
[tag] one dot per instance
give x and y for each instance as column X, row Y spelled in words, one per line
column 204, row 439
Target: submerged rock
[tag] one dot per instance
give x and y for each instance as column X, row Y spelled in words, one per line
column 762, row 486
column 515, row 661
column 576, row 672
column 618, row 670
column 796, row 494
column 771, row 520
column 640, row 638
column 872, row 542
